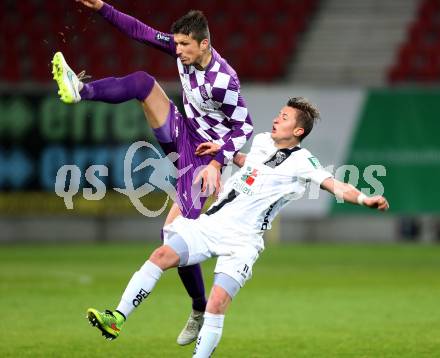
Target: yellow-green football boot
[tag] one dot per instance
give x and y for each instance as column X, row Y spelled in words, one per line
column 108, row 322
column 67, row 80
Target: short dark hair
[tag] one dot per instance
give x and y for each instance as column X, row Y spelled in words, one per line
column 309, row 114
column 193, row 23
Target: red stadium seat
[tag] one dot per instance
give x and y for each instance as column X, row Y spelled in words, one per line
column 257, row 37
column 418, row 59
column 10, row 66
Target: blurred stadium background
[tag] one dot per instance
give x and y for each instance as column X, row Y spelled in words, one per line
column 371, row 66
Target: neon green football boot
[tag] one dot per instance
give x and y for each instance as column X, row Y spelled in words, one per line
column 68, row 82
column 108, row 322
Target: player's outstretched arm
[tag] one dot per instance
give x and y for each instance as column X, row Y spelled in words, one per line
column 132, row 27
column 350, row 194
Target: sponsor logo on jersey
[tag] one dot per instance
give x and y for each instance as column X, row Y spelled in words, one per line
column 277, row 159
column 204, row 92
column 266, row 217
column 243, row 185
column 243, row 188
column 161, row 37
column 249, row 176
column 207, row 107
column 315, row 162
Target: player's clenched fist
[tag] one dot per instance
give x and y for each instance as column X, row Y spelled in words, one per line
column 93, row 4
column 377, row 202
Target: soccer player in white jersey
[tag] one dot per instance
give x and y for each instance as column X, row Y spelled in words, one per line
column 275, row 172
column 215, row 126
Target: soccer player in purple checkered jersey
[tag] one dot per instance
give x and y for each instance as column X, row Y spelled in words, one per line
column 217, row 123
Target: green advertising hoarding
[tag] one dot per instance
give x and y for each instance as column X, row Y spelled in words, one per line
column 39, row 134
column 394, row 140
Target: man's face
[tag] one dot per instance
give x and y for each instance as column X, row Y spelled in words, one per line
column 188, row 49
column 284, row 127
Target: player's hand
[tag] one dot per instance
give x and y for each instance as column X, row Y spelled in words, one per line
column 377, row 202
column 92, row 4
column 207, row 148
column 239, row 159
column 210, row 178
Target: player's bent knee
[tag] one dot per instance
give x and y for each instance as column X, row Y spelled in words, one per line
column 217, row 304
column 143, row 83
column 218, row 301
column 178, row 244
column 165, row 257
column 156, row 106
column 230, row 285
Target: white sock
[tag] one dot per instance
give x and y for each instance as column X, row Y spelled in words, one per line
column 139, row 287
column 209, row 335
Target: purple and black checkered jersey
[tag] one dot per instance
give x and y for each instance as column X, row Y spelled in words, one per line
column 214, row 107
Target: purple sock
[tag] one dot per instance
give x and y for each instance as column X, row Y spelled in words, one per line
column 119, row 89
column 192, row 279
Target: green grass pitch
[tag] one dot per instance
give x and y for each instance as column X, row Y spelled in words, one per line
column 317, row 300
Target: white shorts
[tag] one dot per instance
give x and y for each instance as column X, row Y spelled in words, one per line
column 236, row 254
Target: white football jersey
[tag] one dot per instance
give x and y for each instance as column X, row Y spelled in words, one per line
column 269, row 180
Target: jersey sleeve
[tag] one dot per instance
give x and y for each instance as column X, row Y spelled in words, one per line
column 311, row 170
column 226, row 93
column 138, row 30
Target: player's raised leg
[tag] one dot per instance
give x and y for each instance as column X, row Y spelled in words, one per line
column 191, row 202
column 156, row 106
column 192, row 279
column 138, row 289
column 138, row 85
